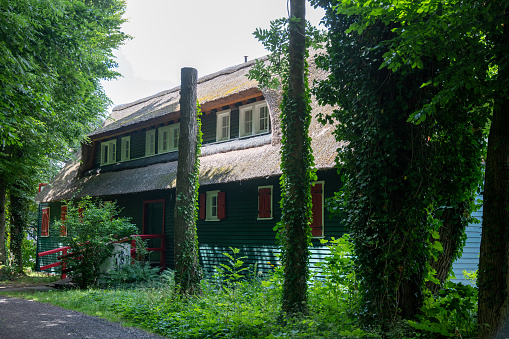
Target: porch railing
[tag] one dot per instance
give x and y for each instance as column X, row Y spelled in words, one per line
column 58, row 263
column 64, row 254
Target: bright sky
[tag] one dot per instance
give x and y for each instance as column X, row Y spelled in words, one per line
column 203, row 34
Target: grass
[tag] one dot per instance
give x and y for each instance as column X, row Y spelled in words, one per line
column 29, row 278
column 244, row 310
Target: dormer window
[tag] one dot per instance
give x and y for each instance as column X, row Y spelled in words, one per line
column 108, row 152
column 125, row 145
column 168, row 138
column 150, row 142
column 223, row 126
column 254, row 119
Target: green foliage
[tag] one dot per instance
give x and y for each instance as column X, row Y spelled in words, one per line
column 452, row 313
column 135, row 273
column 275, row 40
column 231, row 273
column 92, row 227
column 336, row 287
column 471, row 276
column 53, row 55
column 288, row 40
column 402, row 181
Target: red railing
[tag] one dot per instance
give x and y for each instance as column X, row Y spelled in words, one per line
column 64, row 254
column 58, row 263
column 161, row 249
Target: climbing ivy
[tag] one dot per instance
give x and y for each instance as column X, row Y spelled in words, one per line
column 399, row 178
column 188, row 280
column 287, row 67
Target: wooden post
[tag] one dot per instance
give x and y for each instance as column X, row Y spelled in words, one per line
column 187, row 268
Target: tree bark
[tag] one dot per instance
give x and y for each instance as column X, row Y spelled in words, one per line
column 494, row 257
column 493, row 278
column 449, row 235
column 187, row 268
column 296, row 174
column 18, row 213
column 3, row 192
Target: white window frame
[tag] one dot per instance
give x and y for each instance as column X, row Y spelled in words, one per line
column 220, row 126
column 150, row 147
column 258, row 118
column 271, row 202
column 108, row 152
column 125, row 148
column 255, row 108
column 209, row 215
column 171, row 143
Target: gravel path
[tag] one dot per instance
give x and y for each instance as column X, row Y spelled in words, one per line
column 25, row 319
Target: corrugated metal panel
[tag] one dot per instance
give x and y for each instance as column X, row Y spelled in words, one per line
column 469, row 261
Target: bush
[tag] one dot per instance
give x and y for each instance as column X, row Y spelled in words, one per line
column 92, row 227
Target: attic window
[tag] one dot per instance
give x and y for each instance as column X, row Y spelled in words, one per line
column 108, row 152
column 254, row 119
column 223, row 126
column 125, row 148
column 150, row 142
column 168, row 138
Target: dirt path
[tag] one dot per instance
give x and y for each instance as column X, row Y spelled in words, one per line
column 25, row 319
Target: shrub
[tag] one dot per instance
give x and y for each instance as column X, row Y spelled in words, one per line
column 92, row 227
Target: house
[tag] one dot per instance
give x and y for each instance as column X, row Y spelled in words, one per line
column 132, row 159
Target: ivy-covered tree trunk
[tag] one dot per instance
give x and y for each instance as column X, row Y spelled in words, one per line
column 451, row 238
column 3, row 193
column 187, row 267
column 18, row 207
column 296, row 166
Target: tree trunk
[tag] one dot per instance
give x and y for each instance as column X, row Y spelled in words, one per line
column 3, row 192
column 296, row 173
column 493, row 278
column 449, row 234
column 494, row 258
column 18, row 212
column 187, row 268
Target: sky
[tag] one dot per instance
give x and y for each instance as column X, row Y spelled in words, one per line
column 171, row 34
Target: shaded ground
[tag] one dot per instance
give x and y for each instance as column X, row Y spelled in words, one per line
column 27, row 319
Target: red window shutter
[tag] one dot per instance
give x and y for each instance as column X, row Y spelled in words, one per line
column 316, row 199
column 221, row 205
column 63, row 216
column 203, row 203
column 264, row 205
column 63, row 213
column 45, row 222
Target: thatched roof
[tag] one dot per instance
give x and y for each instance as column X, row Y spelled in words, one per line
column 230, row 161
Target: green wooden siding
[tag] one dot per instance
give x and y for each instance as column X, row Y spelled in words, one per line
column 240, row 229
column 51, row 242
column 208, row 127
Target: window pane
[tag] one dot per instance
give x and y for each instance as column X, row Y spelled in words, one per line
column 105, row 154
column 176, row 133
column 226, row 127
column 248, row 122
column 213, row 212
column 264, row 119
